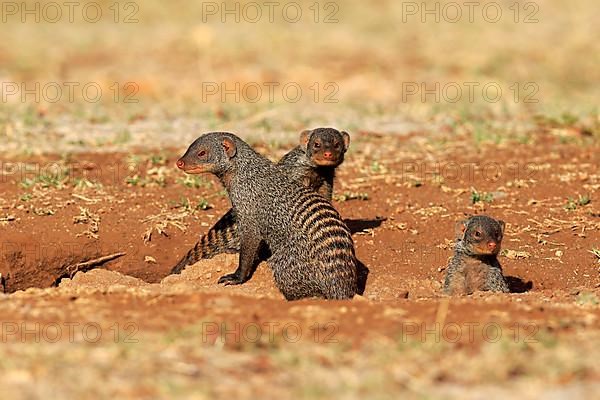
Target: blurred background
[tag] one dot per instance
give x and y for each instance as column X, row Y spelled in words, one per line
column 105, row 74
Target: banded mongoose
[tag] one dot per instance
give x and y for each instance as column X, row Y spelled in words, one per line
column 312, row 250
column 312, row 163
column 475, row 265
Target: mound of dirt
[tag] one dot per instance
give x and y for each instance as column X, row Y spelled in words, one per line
column 201, row 276
column 204, row 270
column 102, row 280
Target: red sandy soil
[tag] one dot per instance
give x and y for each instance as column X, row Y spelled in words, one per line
column 403, row 232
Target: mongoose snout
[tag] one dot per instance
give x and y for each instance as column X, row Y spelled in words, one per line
column 198, row 162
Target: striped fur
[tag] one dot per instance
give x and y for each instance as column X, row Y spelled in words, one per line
column 222, row 237
column 311, row 249
column 320, row 260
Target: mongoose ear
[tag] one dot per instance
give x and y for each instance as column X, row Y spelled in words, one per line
column 502, row 225
column 460, row 228
column 304, row 138
column 346, row 137
column 230, row 148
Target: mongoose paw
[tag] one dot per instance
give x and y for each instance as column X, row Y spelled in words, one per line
column 231, row 279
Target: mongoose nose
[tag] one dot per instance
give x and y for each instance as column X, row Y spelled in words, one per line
column 492, row 245
column 180, row 164
column 328, row 155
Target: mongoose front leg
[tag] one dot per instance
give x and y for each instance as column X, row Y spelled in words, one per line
column 249, row 258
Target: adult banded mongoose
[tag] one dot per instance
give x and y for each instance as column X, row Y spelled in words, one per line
column 312, row 163
column 475, row 265
column 312, row 252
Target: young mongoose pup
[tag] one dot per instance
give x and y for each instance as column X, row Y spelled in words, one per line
column 314, row 161
column 312, row 252
column 475, row 265
column 312, row 164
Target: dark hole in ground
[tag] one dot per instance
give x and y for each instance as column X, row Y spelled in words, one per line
column 518, row 285
column 20, row 271
column 359, row 225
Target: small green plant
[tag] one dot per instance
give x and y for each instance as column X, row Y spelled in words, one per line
column 133, row 161
column 26, row 197
column 55, row 180
column 156, row 176
column 31, row 117
column 584, row 200
column 193, row 181
column 377, row 167
column 581, row 201
column 122, row 137
column 347, row 196
column 477, row 197
column 133, row 180
column 564, row 120
column 587, row 298
column 568, row 119
column 596, row 252
column 158, row 159
column 203, row 205
column 187, row 205
column 27, row 183
column 437, row 180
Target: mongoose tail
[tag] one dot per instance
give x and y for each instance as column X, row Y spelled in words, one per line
column 221, row 238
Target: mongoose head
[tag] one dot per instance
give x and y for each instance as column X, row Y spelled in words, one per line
column 325, row 146
column 210, row 153
column 480, row 235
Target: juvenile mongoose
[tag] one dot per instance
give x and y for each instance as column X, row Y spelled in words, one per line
column 312, row 163
column 312, row 252
column 475, row 265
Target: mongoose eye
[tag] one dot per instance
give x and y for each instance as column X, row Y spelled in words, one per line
column 202, row 153
column 477, row 235
column 336, row 145
column 317, row 145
